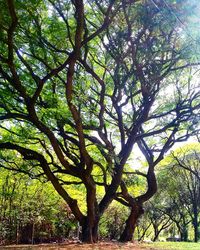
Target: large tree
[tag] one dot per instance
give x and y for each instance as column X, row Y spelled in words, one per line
column 82, row 82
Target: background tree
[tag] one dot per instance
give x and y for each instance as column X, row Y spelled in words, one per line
column 182, row 202
column 78, row 92
column 187, row 162
column 160, row 221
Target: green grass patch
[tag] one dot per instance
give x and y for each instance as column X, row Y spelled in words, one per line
column 173, row 246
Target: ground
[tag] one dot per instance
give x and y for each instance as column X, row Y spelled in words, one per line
column 108, row 246
column 74, row 246
column 99, row 246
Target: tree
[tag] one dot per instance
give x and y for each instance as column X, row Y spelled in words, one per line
column 187, row 165
column 160, row 221
column 182, row 202
column 78, row 92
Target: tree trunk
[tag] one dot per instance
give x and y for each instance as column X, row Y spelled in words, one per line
column 156, row 232
column 33, row 233
column 136, row 212
column 91, row 221
column 196, row 230
column 184, row 233
column 90, row 230
column 86, row 234
column 95, row 232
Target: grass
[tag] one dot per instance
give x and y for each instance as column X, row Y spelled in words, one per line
column 173, row 246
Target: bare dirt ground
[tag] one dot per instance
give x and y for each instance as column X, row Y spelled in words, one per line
column 79, row 246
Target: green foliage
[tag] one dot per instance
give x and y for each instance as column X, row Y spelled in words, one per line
column 179, row 194
column 25, row 203
column 112, row 222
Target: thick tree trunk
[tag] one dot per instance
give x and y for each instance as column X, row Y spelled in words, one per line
column 86, row 234
column 183, row 232
column 91, row 221
column 90, row 230
column 95, row 232
column 195, row 220
column 184, row 235
column 136, row 212
column 156, row 233
column 196, row 229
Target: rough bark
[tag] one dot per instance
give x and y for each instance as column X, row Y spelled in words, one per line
column 196, row 229
column 184, row 234
column 136, row 212
column 90, row 222
column 156, row 233
column 183, row 230
column 89, row 230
